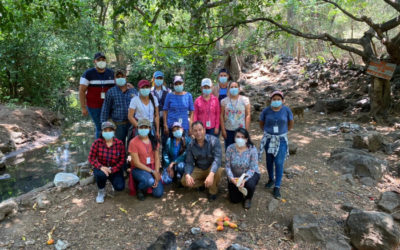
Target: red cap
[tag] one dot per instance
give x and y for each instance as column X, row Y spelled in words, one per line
column 143, row 83
column 276, row 92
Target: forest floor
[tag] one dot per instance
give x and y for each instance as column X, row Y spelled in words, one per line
column 123, row 222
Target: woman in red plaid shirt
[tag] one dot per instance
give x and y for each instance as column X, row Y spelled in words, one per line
column 107, row 156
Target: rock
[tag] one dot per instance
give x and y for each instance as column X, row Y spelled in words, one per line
column 372, row 230
column 29, row 242
column 363, row 118
column 367, row 181
column 396, row 147
column 292, row 148
column 195, row 230
column 42, row 201
column 358, row 163
column 7, row 145
column 87, row 181
column 7, row 207
column 166, row 241
column 203, row 244
column 360, row 142
column 273, row 204
column 337, row 244
column 257, row 106
column 349, row 178
column 389, row 202
column 61, row 245
column 347, row 207
column 236, row 246
column 331, row 105
column 305, row 228
column 65, row 180
column 375, row 142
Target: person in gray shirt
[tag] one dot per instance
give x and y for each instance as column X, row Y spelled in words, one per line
column 203, row 161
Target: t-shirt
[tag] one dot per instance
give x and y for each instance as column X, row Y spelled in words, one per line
column 97, row 83
column 143, row 111
column 222, row 93
column 276, row 118
column 178, row 107
column 235, row 112
column 142, row 149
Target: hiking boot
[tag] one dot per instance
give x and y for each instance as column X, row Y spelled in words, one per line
column 100, row 196
column 212, row 197
column 140, row 195
column 277, row 193
column 269, row 184
column 247, row 204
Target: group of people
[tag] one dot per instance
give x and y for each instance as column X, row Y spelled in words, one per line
column 159, row 136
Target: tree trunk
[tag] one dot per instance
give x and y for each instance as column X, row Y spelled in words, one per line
column 232, row 64
column 380, row 97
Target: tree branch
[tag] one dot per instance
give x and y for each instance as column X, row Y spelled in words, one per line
column 154, row 20
column 394, row 3
column 359, row 19
column 141, row 12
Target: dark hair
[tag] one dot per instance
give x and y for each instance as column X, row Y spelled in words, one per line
column 153, row 140
column 246, row 134
column 223, row 71
column 196, row 123
column 230, row 83
column 183, row 138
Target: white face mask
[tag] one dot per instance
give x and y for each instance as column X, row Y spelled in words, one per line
column 240, row 142
column 101, row 64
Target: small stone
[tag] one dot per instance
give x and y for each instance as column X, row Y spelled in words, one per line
column 65, row 180
column 61, row 245
column 29, row 242
column 292, row 148
column 273, row 204
column 195, row 230
column 7, row 207
column 236, row 246
column 203, row 243
column 367, row 181
column 389, row 202
column 166, row 240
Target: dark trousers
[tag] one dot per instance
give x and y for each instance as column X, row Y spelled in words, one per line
column 236, row 196
column 211, row 132
column 230, row 138
column 116, row 179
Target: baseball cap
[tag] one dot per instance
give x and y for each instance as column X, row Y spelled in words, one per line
column 206, row 82
column 276, row 92
column 98, row 55
column 143, row 83
column 108, row 124
column 177, row 124
column 158, row 74
column 144, row 122
column 178, row 79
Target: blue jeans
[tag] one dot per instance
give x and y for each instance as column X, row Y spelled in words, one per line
column 116, row 179
column 122, row 131
column 145, row 180
column 95, row 115
column 279, row 161
column 230, row 138
column 211, row 132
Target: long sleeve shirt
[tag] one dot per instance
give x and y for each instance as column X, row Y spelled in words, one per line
column 207, row 111
column 116, row 104
column 168, row 153
column 101, row 155
column 209, row 155
column 240, row 163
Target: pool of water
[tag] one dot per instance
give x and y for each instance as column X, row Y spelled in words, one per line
column 34, row 169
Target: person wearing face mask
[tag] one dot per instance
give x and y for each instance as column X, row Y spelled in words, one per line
column 275, row 120
column 178, row 107
column 94, row 84
column 241, row 159
column 107, row 156
column 207, row 109
column 144, row 106
column 220, row 90
column 160, row 91
column 145, row 164
column 116, row 104
column 174, row 154
column 235, row 113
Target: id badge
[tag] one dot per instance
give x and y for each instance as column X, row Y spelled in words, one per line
column 276, row 129
column 148, row 160
column 208, row 124
column 103, row 95
column 180, row 120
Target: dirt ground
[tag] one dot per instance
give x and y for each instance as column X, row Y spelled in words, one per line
column 315, row 188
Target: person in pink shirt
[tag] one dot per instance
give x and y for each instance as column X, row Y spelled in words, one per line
column 207, row 109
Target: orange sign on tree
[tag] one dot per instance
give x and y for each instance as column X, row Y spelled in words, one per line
column 381, row 69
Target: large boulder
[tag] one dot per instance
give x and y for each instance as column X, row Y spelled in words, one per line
column 331, row 105
column 65, row 180
column 305, row 228
column 204, row 243
column 390, row 202
column 7, row 207
column 358, row 163
column 372, row 230
column 166, row 241
column 373, row 142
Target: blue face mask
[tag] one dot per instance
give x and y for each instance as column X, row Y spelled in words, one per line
column 234, row 91
column 276, row 104
column 206, row 91
column 158, row 82
column 120, row 81
column 178, row 133
column 143, row 131
column 178, row 88
column 144, row 92
column 108, row 135
column 223, row 79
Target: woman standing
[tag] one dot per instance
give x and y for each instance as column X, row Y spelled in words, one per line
column 178, row 107
column 242, row 159
column 144, row 106
column 175, row 153
column 207, row 109
column 107, row 156
column 235, row 113
column 221, row 89
column 275, row 120
column 160, row 91
column 145, row 165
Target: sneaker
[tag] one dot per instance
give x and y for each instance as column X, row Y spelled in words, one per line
column 100, row 196
column 277, row 193
column 269, row 184
column 247, row 204
column 212, row 197
column 140, row 195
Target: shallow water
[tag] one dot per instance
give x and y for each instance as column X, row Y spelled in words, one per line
column 35, row 168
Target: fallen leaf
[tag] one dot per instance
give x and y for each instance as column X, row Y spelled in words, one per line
column 23, row 238
column 123, row 210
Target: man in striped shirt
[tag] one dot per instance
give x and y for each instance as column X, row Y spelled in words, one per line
column 94, row 84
